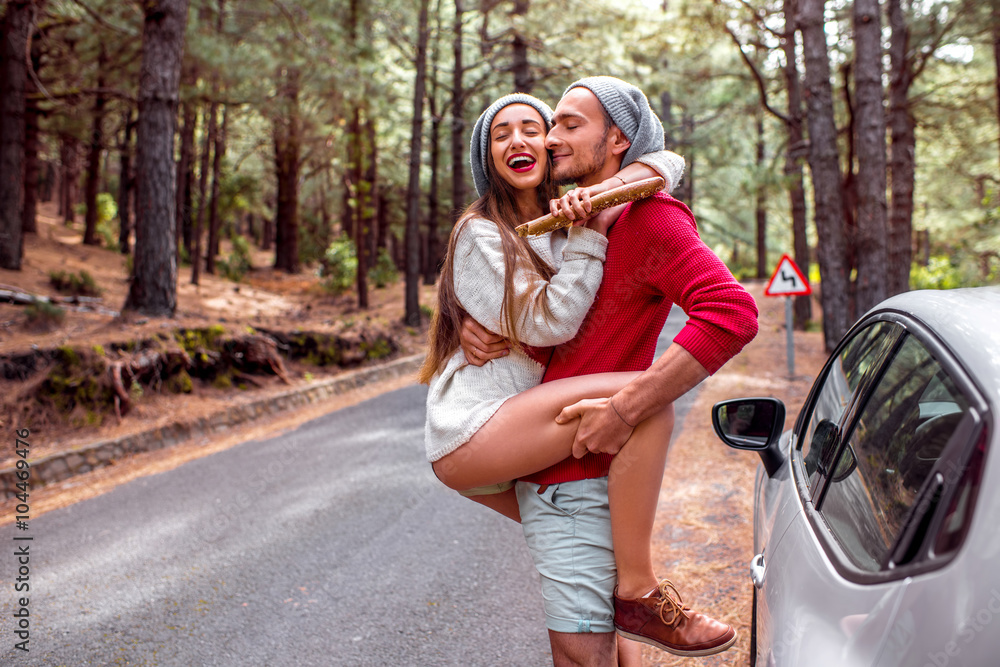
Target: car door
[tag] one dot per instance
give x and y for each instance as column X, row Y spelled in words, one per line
column 883, row 421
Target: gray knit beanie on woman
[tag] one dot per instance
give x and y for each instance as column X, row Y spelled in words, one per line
column 630, row 111
column 479, row 150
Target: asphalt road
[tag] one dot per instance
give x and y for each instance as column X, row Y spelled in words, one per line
column 330, row 545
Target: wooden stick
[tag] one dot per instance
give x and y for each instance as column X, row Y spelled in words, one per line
column 613, row 197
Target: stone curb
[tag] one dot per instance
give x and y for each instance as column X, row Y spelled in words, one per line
column 84, row 458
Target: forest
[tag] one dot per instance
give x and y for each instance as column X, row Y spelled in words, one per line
column 862, row 138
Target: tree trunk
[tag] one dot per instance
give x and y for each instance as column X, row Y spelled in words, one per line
column 369, row 214
column 793, row 164
column 903, row 151
column 382, row 223
column 94, row 156
column 823, row 161
column 870, row 246
column 32, row 116
column 154, row 282
column 432, row 260
column 203, row 172
column 523, row 81
column 14, row 32
column 667, row 115
column 685, row 192
column 849, row 190
column 287, row 146
column 433, row 200
column 125, row 185
column 412, row 291
column 218, row 151
column 266, row 233
column 69, row 157
column 458, row 142
column 761, row 201
column 996, row 52
column 185, row 182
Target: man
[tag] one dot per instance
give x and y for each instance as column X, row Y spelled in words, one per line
column 655, row 259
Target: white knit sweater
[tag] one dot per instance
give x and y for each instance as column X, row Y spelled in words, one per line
column 670, row 165
column 462, row 398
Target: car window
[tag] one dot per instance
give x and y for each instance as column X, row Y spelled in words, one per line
column 903, row 427
column 820, row 437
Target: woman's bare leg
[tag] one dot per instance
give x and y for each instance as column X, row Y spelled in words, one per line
column 505, row 503
column 523, row 438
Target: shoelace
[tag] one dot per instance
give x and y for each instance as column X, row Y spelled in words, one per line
column 670, row 603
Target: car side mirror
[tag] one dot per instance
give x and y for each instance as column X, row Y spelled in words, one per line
column 754, row 424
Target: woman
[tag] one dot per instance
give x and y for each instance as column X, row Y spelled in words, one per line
column 489, row 425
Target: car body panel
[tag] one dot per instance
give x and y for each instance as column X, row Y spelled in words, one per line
column 811, row 611
column 796, row 568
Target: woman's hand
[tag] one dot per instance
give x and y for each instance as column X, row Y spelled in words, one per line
column 575, row 205
column 480, row 344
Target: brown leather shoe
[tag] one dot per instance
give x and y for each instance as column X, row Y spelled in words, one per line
column 662, row 620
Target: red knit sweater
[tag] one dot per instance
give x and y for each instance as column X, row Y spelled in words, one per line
column 655, row 259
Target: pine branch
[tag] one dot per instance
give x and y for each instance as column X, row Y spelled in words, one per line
column 761, row 84
column 102, row 21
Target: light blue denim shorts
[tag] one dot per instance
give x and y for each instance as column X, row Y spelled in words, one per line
column 568, row 530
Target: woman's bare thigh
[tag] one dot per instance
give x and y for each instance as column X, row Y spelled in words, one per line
column 522, row 437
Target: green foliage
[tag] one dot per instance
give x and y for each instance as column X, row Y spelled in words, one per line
column 238, row 263
column 238, row 193
column 135, row 391
column 75, row 284
column 197, row 340
column 379, row 348
column 314, row 238
column 960, row 269
column 339, row 267
column 180, row 383
column 384, row 272
column 107, row 220
column 43, row 316
column 938, row 274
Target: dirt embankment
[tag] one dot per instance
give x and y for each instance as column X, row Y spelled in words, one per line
column 91, row 374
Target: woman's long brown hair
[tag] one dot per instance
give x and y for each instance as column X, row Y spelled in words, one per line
column 499, row 206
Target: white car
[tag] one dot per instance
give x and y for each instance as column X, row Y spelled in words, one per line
column 876, row 517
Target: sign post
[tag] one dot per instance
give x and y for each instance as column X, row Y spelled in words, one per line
column 788, row 281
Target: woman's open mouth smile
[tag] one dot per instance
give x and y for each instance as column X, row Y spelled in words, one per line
column 521, row 162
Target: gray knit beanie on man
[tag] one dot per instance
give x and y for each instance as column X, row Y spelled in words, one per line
column 630, row 111
column 479, row 150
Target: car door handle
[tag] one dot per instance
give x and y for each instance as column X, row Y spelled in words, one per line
column 757, row 568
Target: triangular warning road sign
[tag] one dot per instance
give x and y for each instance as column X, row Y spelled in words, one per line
column 787, row 280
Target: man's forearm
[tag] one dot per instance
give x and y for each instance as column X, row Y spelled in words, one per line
column 671, row 376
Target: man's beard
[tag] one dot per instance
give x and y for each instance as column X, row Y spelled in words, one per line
column 586, row 167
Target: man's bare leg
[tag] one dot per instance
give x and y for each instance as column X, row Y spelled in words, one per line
column 584, row 649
